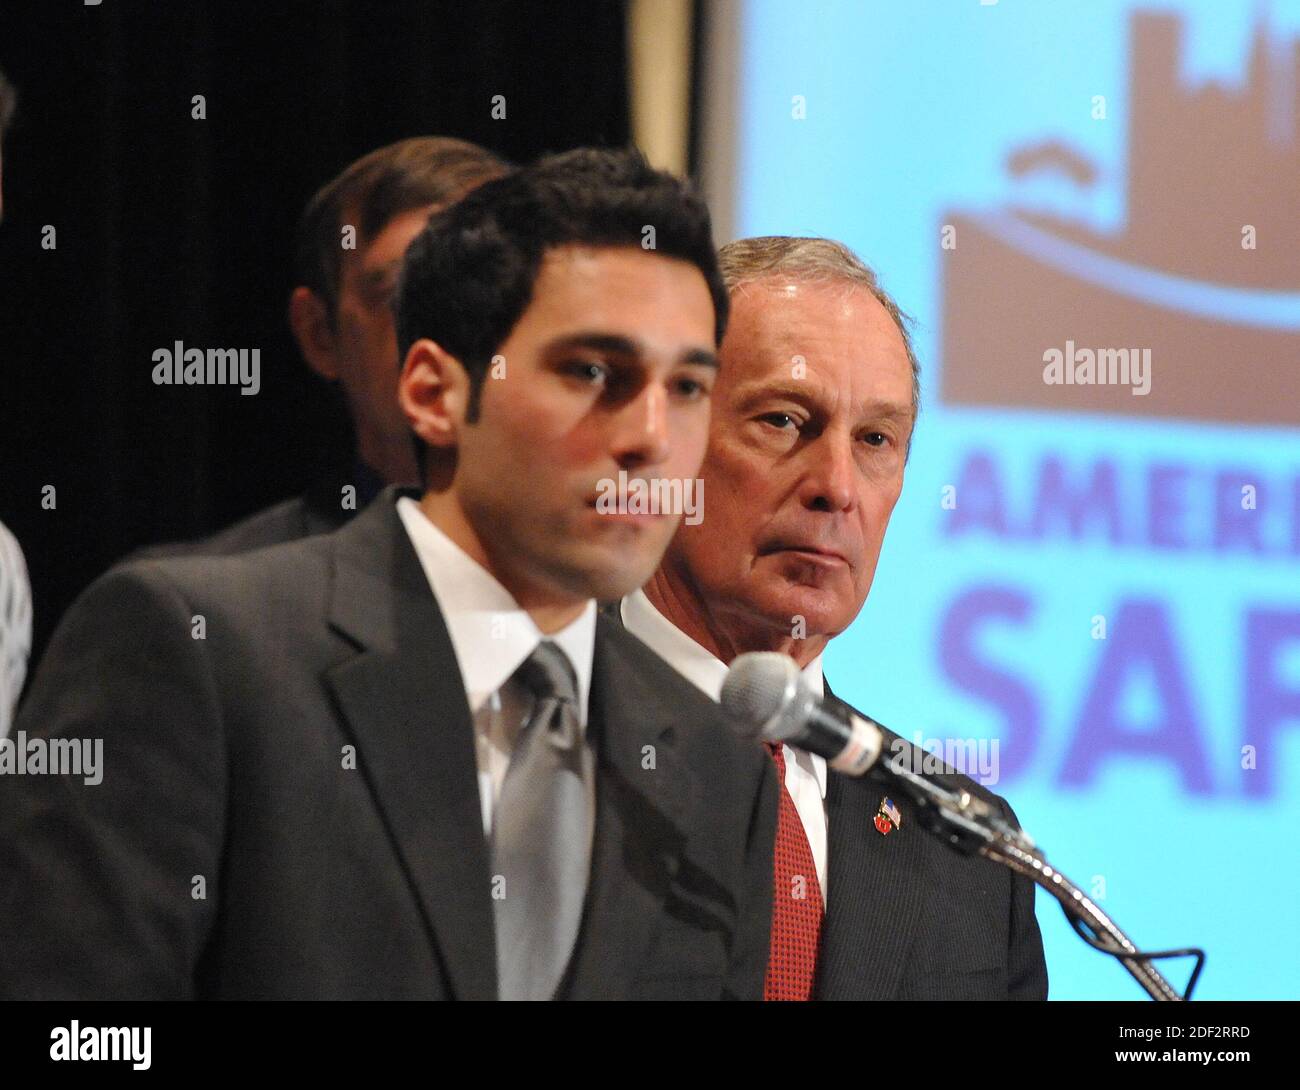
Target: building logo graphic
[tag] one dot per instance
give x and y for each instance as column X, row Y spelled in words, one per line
column 1204, row 275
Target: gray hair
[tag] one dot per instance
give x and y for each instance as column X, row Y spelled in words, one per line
column 812, row 260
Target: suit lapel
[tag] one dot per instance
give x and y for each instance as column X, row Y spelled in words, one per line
column 877, row 888
column 403, row 703
column 643, row 787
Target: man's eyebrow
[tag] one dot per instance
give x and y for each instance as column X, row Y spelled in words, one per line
column 894, row 410
column 615, row 344
column 801, row 393
column 701, row 357
column 382, row 272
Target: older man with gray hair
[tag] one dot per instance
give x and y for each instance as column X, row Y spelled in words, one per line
column 813, row 413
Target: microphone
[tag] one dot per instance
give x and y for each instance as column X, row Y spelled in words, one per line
column 765, row 697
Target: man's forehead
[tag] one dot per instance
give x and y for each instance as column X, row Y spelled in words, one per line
column 589, row 262
column 794, row 318
column 572, row 279
column 366, row 257
column 781, row 310
column 817, row 336
column 613, row 300
column 577, row 277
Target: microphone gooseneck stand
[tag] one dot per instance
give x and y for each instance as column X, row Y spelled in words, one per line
column 764, row 697
column 970, row 825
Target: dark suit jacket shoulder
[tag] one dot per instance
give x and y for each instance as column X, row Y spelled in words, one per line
column 289, row 801
column 287, row 521
column 908, row 917
column 330, row 502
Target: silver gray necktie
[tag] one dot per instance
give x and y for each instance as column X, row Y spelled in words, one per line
column 542, row 832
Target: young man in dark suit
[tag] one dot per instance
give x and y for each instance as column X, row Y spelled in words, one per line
column 812, row 421
column 407, row 759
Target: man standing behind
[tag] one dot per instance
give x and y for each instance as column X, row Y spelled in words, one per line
column 812, row 421
column 351, row 239
column 407, row 759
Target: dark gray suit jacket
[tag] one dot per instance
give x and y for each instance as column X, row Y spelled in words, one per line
column 237, row 849
column 319, row 510
column 909, row 917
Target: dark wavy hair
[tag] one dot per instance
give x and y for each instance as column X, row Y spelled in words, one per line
column 468, row 277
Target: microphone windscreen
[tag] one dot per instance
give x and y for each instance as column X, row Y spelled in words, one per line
column 758, row 687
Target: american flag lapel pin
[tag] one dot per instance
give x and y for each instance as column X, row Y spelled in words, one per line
column 888, row 819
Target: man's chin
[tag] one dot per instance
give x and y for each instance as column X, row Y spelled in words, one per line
column 824, row 611
column 607, row 574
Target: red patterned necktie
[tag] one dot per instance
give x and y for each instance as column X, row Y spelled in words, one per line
column 796, row 903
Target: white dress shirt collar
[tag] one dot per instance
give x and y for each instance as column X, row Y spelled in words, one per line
column 490, row 633
column 699, row 666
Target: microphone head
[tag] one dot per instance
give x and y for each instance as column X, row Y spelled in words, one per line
column 761, row 691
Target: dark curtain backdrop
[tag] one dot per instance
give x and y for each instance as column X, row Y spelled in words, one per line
column 169, row 228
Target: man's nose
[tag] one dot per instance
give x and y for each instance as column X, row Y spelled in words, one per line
column 641, row 430
column 830, row 476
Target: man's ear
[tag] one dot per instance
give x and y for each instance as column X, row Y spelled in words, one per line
column 310, row 321
column 433, row 391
